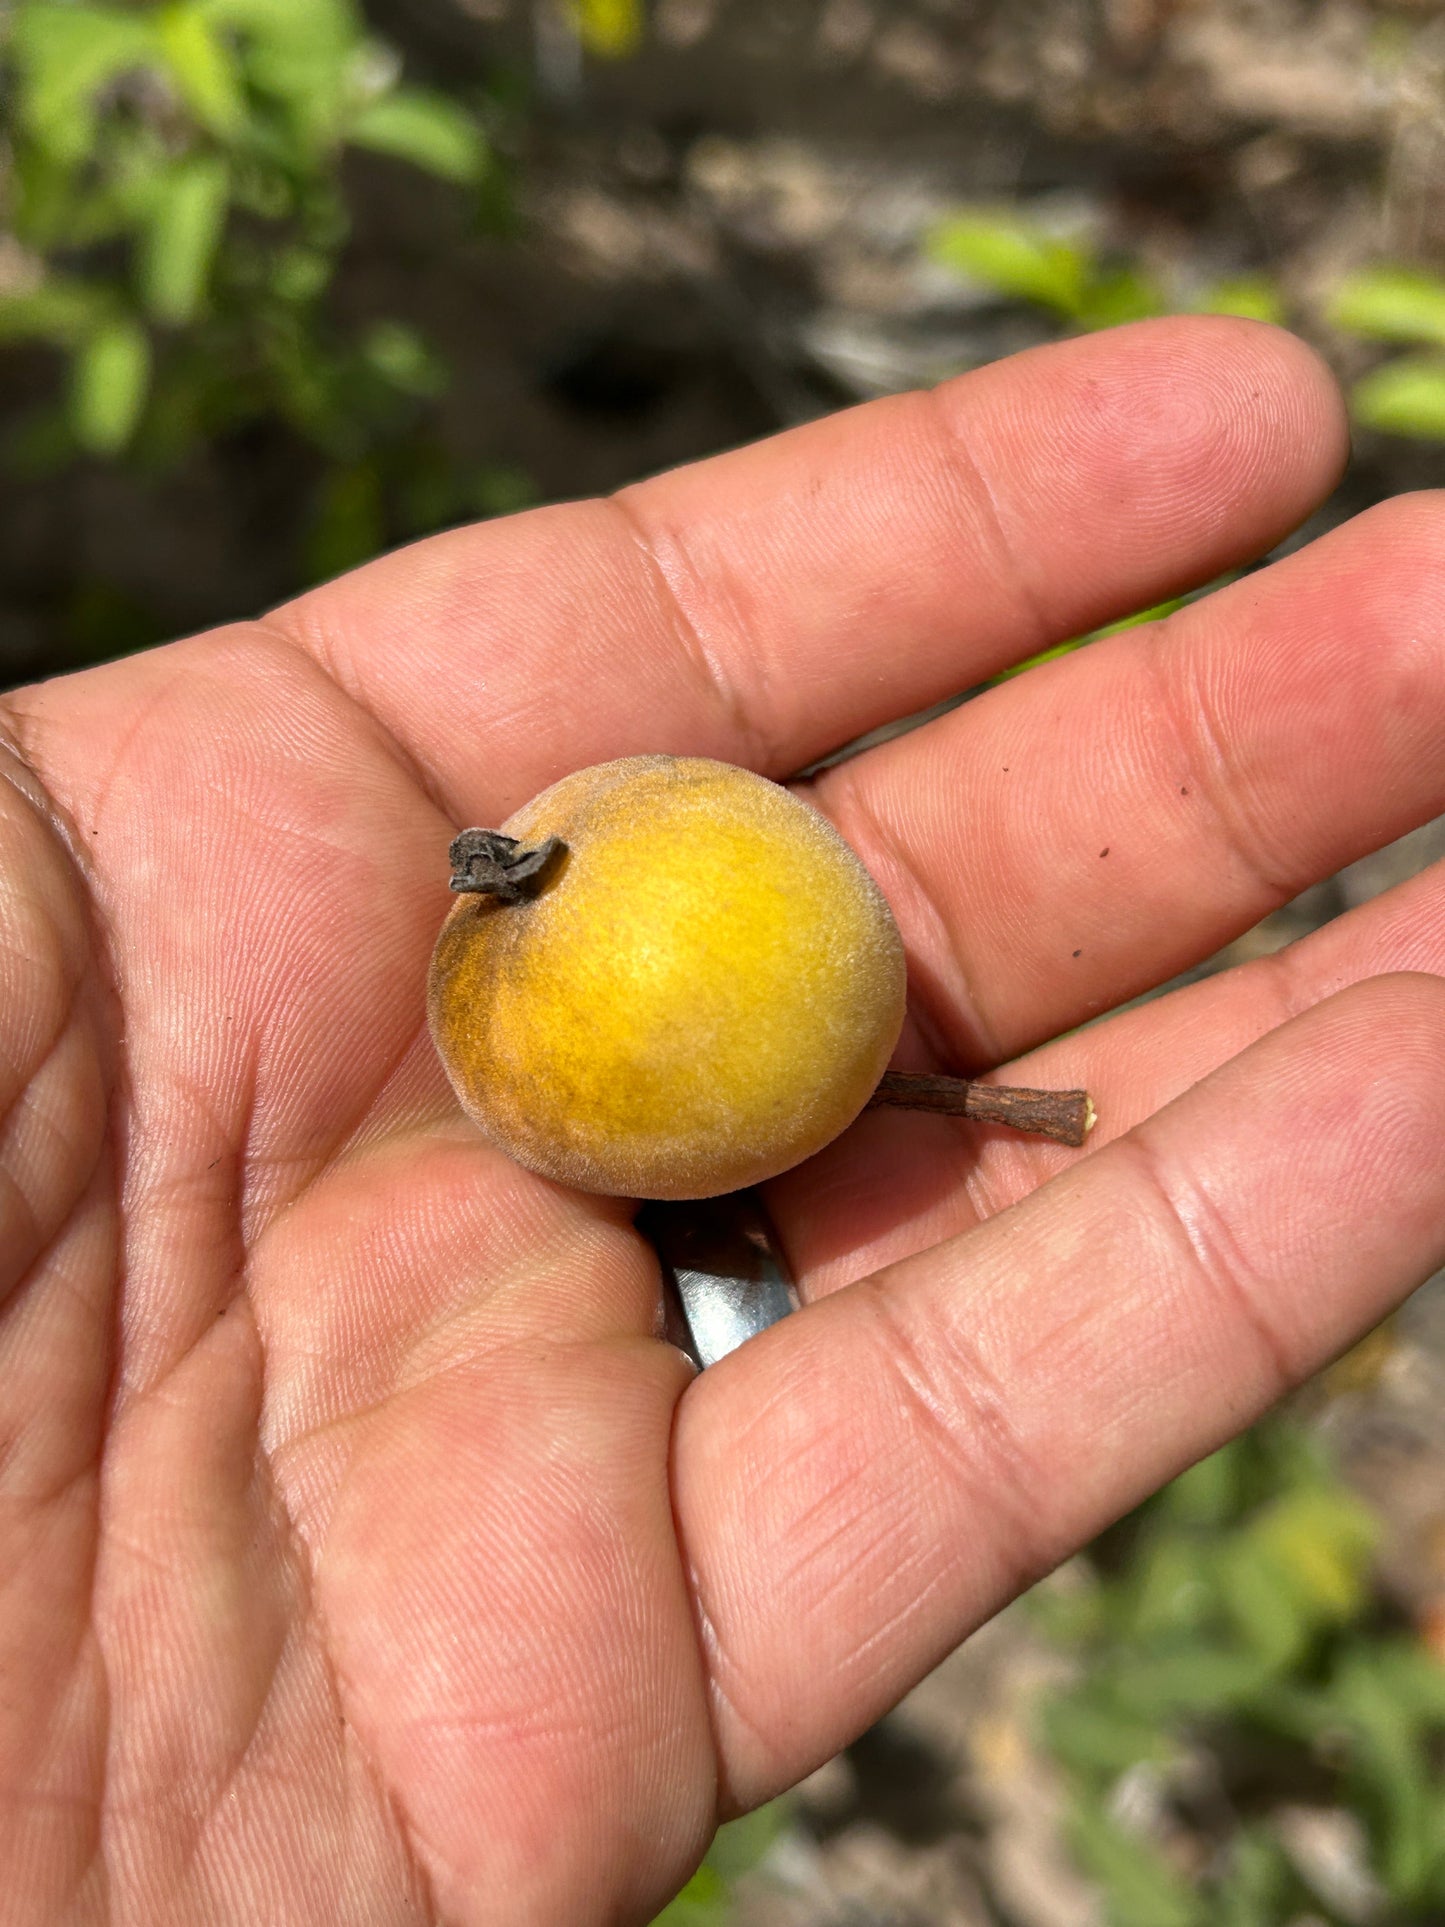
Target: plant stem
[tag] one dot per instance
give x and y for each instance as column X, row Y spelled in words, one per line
column 1065, row 1116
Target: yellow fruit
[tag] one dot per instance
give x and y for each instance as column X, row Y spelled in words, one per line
column 704, row 989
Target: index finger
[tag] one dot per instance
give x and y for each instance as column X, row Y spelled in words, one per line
column 768, row 605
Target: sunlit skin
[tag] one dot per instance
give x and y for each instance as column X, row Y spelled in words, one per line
column 364, row 1556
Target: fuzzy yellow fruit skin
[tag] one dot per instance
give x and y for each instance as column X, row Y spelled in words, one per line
column 705, row 991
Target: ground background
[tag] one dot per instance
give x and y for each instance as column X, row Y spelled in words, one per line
column 722, row 234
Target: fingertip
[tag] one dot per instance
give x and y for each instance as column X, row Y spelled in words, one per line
column 1206, row 437
column 1272, row 420
column 1313, row 402
column 1385, row 1017
column 1342, row 1109
column 1393, row 1028
column 1389, row 1044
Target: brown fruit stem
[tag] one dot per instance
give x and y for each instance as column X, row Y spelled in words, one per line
column 1065, row 1116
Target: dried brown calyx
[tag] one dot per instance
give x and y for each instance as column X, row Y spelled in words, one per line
column 486, row 863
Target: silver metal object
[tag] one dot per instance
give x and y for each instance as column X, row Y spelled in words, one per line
column 724, row 1274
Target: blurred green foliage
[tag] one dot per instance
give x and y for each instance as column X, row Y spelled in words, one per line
column 1007, row 252
column 1155, row 614
column 1022, row 260
column 608, row 28
column 1405, row 307
column 1232, row 1659
column 1391, row 304
column 177, row 194
column 706, row 1900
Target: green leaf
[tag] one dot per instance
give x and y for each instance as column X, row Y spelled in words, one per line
column 65, row 55
column 1141, row 1889
column 59, row 311
column 109, row 380
column 302, row 56
column 320, row 29
column 1253, row 297
column 739, row 1846
column 350, row 523
column 1419, row 1678
column 1391, row 304
column 1089, row 1731
column 428, row 486
column 1156, row 614
column 705, row 1901
column 1044, row 655
column 434, row 133
column 1376, row 1718
column 1321, row 1541
column 1197, row 1680
column 1014, row 259
column 1258, row 1883
column 1171, row 1589
column 1263, row 1607
column 186, row 220
column 608, row 28
column 497, row 490
column 203, row 68
column 1120, row 295
column 1404, row 397
column 1390, row 1769
column 299, row 275
column 404, row 359
column 1209, row 1493
column 1075, row 1613
column 1435, row 1883
column 1301, row 1565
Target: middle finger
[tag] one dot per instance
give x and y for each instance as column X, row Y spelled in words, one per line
column 1083, row 832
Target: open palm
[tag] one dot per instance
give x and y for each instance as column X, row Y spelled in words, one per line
column 365, row 1555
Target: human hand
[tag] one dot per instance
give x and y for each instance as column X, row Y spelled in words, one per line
column 364, row 1555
